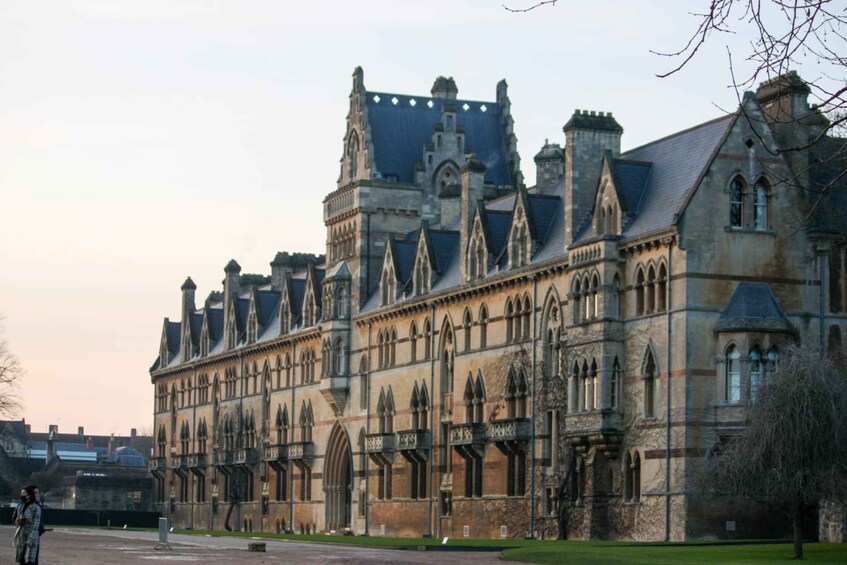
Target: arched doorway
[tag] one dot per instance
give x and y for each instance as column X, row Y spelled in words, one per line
column 338, row 479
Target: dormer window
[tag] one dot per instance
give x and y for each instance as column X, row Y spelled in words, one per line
column 252, row 327
column 231, row 334
column 422, row 275
column 477, row 258
column 204, row 341
column 163, row 355
column 308, row 313
column 519, row 242
column 388, row 286
column 285, row 317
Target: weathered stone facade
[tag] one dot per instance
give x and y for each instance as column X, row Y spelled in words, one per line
column 473, row 357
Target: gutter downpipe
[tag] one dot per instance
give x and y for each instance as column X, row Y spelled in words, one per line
column 290, row 437
column 532, row 402
column 432, row 490
column 236, row 472
column 368, row 424
column 194, row 429
column 669, row 306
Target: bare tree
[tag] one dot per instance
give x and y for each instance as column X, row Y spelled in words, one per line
column 11, row 373
column 792, row 453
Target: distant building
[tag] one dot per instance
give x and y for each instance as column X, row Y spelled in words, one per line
column 76, row 470
column 473, row 356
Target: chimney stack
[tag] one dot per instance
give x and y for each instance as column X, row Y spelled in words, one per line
column 444, row 87
column 549, row 165
column 80, row 431
column 588, row 136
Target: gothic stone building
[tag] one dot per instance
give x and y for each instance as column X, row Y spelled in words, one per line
column 471, row 354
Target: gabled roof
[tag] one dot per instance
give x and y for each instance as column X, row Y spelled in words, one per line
column 172, row 334
column 195, row 324
column 543, row 208
column 215, row 317
column 630, row 180
column 404, row 259
column 753, row 307
column 444, row 243
column 400, row 131
column 677, row 165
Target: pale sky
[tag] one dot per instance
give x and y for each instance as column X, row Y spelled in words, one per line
column 145, row 141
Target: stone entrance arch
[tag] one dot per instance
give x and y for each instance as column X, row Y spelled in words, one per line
column 338, row 479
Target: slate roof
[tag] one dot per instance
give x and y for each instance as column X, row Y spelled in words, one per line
column 173, row 334
column 196, row 320
column 753, row 307
column 444, row 243
column 216, row 323
column 498, row 223
column 677, row 162
column 267, row 301
column 631, row 177
column 404, row 259
column 544, row 208
column 828, row 163
column 400, row 131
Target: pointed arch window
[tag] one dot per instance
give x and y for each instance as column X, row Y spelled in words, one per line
column 760, row 205
column 639, row 291
column 662, row 289
column 509, row 315
column 483, row 327
column 632, row 478
column 615, row 302
column 736, row 202
column 576, row 298
column 427, row 337
column 755, row 372
column 466, row 330
column 413, row 343
column 526, row 326
column 649, row 376
column 615, row 385
column 733, row 375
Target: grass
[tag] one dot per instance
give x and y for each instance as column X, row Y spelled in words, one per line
column 665, row 554
column 584, row 552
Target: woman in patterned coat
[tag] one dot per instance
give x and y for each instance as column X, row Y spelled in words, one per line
column 27, row 519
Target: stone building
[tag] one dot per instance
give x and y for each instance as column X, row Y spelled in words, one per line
column 473, row 356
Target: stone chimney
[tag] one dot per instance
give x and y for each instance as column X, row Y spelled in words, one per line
column 89, row 443
column 279, row 268
column 80, row 431
column 111, row 446
column 53, row 428
column 133, row 433
column 187, row 288
column 52, row 441
column 549, row 165
column 588, row 135
column 473, row 181
column 444, row 87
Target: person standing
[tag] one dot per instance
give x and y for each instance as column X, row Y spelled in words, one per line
column 27, row 520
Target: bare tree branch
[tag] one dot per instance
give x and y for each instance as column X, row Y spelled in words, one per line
column 11, row 373
column 530, row 8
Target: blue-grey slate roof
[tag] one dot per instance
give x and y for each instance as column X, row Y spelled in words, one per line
column 753, row 307
column 196, row 321
column 498, row 229
column 677, row 163
column 267, row 302
column 543, row 210
column 632, row 176
column 173, row 335
column 404, row 258
column 216, row 323
column 444, row 244
column 400, row 131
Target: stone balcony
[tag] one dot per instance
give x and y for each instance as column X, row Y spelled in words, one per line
column 275, row 453
column 467, row 434
column 408, row 440
column 509, row 430
column 195, row 461
column 245, row 456
column 223, row 458
column 301, row 452
column 380, row 443
column 157, row 465
column 596, row 427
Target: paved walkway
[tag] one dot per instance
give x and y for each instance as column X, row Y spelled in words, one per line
column 70, row 546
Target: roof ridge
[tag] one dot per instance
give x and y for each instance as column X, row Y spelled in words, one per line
column 681, row 132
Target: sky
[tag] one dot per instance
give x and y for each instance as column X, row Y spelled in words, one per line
column 143, row 142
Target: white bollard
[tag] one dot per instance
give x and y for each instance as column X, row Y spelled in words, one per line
column 163, row 535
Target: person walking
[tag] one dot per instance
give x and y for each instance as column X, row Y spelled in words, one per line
column 27, row 520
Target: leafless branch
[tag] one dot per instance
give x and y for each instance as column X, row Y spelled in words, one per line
column 11, row 373
column 530, row 8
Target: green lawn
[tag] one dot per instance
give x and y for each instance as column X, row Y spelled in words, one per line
column 662, row 554
column 630, row 553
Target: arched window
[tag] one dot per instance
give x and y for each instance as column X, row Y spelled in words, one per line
column 576, row 297
column 509, row 316
column 427, row 337
column 639, row 292
column 338, row 365
column 632, row 483
column 593, row 394
column 483, row 327
column 380, row 349
column 363, row 373
column 662, row 289
column 615, row 384
column 466, row 330
column 392, row 348
column 447, row 362
column 755, row 372
column 650, row 291
column 413, row 343
column 733, row 375
column 649, row 376
column 736, row 202
column 526, row 326
column 595, row 287
column 760, row 205
column 615, row 302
